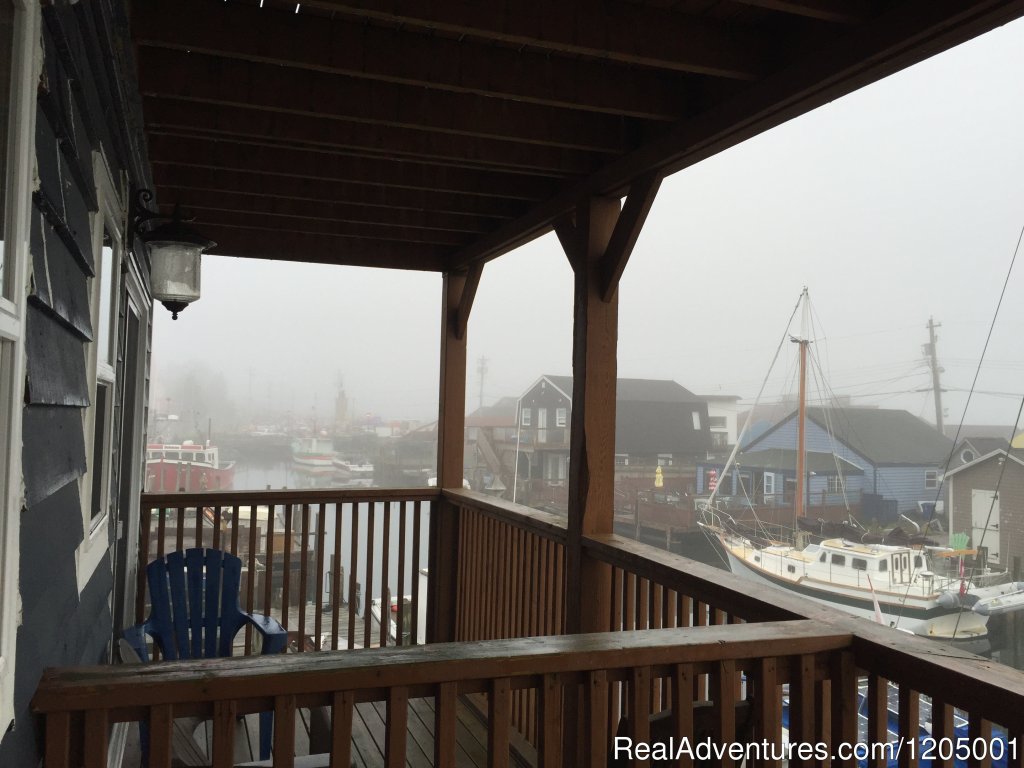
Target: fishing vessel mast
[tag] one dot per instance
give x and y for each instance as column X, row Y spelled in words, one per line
column 801, row 444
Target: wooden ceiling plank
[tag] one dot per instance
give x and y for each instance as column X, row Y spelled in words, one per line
column 208, row 79
column 621, row 32
column 205, row 218
column 300, row 163
column 837, row 11
column 322, row 249
column 356, row 49
column 329, row 210
column 275, row 128
column 910, row 33
column 455, row 204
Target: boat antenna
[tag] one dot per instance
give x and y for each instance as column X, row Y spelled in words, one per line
column 746, row 425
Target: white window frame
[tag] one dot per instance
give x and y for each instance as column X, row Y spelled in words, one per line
column 561, row 416
column 526, row 417
column 931, row 479
column 26, row 65
column 769, row 484
column 110, row 217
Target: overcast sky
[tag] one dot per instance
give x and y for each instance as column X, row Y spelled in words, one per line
column 901, row 201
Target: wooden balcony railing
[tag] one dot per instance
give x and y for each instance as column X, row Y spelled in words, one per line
column 80, row 704
column 681, row 633
column 314, row 560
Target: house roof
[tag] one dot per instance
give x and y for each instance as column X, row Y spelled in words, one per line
column 1016, row 455
column 638, row 390
column 437, row 135
column 651, row 416
column 881, row 435
column 499, row 414
column 985, row 445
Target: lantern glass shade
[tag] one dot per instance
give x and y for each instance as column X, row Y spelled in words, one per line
column 175, row 271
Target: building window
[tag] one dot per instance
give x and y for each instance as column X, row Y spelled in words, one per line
column 967, row 456
column 664, row 459
column 769, row 484
column 719, row 440
column 717, row 422
column 834, row 484
column 931, row 479
column 561, row 416
column 696, row 421
column 527, row 417
column 621, row 459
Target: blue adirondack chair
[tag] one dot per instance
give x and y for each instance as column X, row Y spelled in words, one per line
column 195, row 614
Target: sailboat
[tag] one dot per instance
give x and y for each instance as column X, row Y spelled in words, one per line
column 916, row 589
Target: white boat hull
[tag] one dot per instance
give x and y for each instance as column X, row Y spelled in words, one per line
column 926, row 618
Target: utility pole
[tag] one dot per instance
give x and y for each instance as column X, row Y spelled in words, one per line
column 481, row 369
column 933, row 362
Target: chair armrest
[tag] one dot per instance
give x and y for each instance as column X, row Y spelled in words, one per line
column 275, row 638
column 135, row 637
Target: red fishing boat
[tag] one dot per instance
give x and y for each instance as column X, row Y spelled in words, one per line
column 186, row 467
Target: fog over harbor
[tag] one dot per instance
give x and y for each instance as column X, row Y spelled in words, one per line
column 900, row 202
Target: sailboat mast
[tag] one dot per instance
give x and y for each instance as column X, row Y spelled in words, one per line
column 801, row 434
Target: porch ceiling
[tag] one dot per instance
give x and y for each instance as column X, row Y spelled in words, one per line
column 429, row 135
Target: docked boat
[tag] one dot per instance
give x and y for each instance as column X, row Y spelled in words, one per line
column 901, row 581
column 187, row 467
column 353, row 469
column 313, row 451
column 898, row 586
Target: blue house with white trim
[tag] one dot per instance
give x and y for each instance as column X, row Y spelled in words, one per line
column 889, row 458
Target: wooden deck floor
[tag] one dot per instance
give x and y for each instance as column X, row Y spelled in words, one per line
column 368, row 739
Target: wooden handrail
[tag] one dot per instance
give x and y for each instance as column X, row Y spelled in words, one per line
column 535, row 521
column 288, row 496
column 126, row 687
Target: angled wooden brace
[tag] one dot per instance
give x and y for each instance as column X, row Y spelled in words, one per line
column 466, row 300
column 627, row 230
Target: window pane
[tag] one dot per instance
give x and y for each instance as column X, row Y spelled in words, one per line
column 99, row 449
column 106, row 304
column 6, row 49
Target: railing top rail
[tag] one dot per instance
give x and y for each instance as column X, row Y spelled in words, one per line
column 543, row 524
column 73, row 689
column 287, row 496
column 722, row 589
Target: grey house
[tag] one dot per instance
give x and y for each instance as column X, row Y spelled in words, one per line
column 901, row 456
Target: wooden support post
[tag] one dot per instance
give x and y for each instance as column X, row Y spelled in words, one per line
column 458, row 292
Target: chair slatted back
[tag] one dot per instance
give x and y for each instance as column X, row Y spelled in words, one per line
column 194, row 598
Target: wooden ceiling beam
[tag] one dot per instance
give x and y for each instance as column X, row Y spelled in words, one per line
column 386, row 199
column 327, row 210
column 323, row 249
column 343, row 46
column 622, row 32
column 275, row 128
column 305, row 164
column 213, row 80
column 204, row 218
column 836, row 11
column 910, row 33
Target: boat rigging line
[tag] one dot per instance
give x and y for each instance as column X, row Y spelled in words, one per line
column 956, row 437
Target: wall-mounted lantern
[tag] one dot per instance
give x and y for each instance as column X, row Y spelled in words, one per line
column 175, row 251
